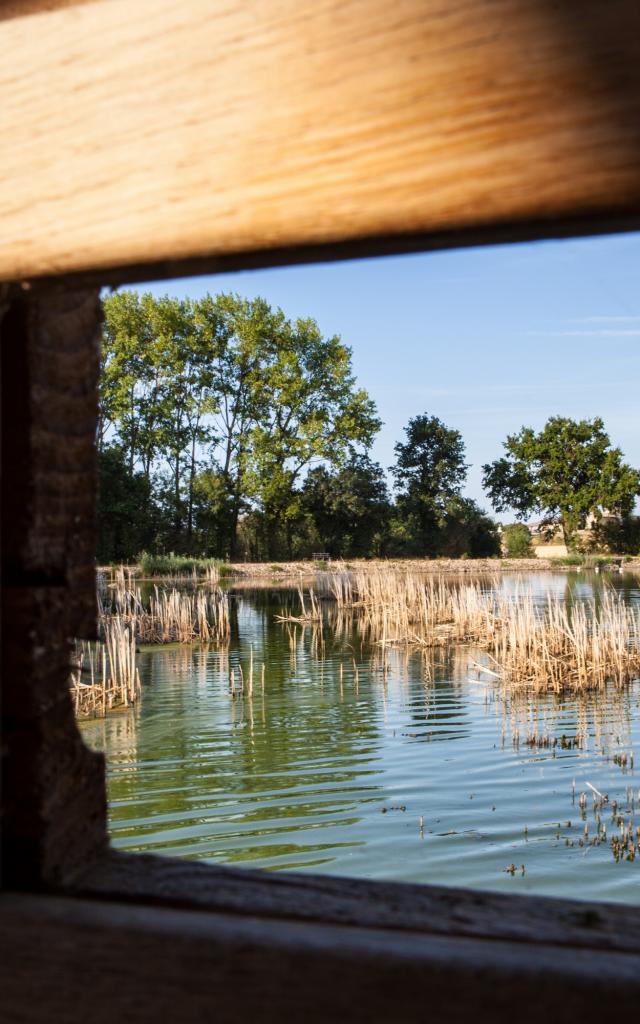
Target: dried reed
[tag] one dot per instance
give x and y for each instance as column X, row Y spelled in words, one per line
column 104, row 675
column 174, row 616
column 308, row 613
column 551, row 646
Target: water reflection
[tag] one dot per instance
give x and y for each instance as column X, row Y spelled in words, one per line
column 378, row 763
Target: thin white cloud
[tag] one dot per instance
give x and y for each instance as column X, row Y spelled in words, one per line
column 610, row 332
column 604, row 319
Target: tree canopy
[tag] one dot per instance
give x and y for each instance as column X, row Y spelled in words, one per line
column 222, row 403
column 567, row 472
column 431, row 516
column 228, row 429
column 349, row 509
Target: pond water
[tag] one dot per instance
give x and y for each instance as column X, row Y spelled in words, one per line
column 421, row 773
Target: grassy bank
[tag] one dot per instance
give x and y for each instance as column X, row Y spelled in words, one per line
column 151, row 566
column 180, row 568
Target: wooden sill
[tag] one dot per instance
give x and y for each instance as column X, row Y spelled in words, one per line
column 317, row 955
column 397, row 906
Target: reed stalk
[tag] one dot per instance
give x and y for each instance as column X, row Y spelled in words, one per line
column 552, row 646
column 310, row 612
column 171, row 616
column 118, row 683
column 174, row 616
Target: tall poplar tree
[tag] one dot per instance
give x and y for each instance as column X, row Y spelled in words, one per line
column 224, row 396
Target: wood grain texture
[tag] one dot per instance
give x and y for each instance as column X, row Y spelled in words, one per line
column 437, row 910
column 66, row 960
column 22, row 8
column 201, row 135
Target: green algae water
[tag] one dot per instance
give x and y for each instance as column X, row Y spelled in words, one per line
column 418, row 772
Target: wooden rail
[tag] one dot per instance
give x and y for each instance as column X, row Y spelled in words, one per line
column 158, row 137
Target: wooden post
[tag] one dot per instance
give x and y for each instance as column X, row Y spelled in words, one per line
column 53, row 796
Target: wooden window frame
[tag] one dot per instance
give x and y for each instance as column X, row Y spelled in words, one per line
column 412, row 163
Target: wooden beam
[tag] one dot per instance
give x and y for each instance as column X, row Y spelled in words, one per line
column 71, row 960
column 53, row 792
column 194, row 136
column 438, row 910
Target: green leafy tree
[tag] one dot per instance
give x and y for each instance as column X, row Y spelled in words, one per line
column 349, row 507
column 567, row 473
column 212, row 513
column 224, row 399
column 130, row 378
column 465, row 530
column 242, row 333
column 619, row 536
column 187, row 398
column 516, row 539
column 315, row 414
column 156, row 392
column 429, row 473
column 127, row 516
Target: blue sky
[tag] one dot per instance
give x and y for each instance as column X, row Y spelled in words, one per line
column 487, row 339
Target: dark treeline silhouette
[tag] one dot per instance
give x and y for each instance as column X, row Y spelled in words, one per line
column 347, row 512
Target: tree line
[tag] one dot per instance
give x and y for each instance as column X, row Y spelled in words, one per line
column 228, row 430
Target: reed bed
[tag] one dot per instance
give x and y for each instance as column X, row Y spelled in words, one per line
column 174, row 616
column 207, row 574
column 551, row 646
column 104, row 675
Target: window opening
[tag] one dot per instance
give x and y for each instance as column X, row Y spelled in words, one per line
column 295, row 717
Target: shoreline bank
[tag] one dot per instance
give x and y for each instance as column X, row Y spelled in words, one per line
column 236, row 571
